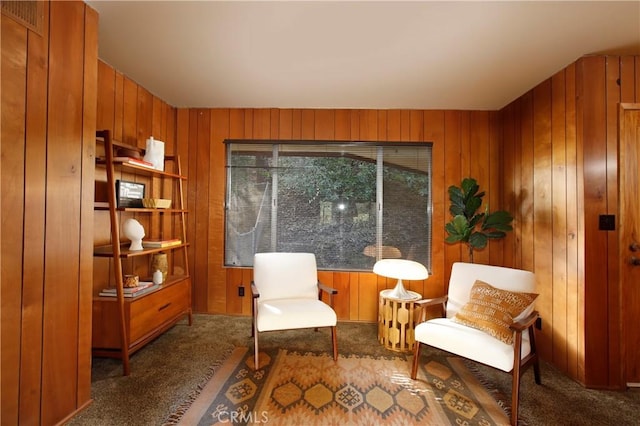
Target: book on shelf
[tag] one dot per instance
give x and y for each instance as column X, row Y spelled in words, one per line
column 142, row 288
column 153, row 243
column 135, row 161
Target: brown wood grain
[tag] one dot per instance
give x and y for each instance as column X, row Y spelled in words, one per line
column 479, row 168
column 434, row 130
column 453, row 176
column 572, row 227
column 527, row 184
column 118, row 113
column 559, row 218
column 613, row 98
column 13, row 116
column 595, row 204
column 63, row 211
column 542, row 213
column 629, row 230
column 130, row 112
column 200, row 213
column 89, row 119
column 219, row 293
column 34, row 207
column 107, row 94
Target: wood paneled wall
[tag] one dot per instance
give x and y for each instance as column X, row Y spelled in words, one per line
column 560, row 169
column 48, row 128
column 550, row 157
column 464, row 144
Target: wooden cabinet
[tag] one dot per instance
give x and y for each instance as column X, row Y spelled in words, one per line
column 123, row 325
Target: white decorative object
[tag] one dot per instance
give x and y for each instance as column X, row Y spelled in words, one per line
column 155, row 153
column 157, row 276
column 401, row 269
column 133, row 230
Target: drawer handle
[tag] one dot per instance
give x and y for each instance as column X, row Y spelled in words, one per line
column 164, row 307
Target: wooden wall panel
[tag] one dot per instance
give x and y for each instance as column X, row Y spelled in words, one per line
column 573, row 221
column 64, row 179
column 566, row 149
column 453, row 174
column 89, row 117
column 612, row 99
column 48, row 107
column 217, row 176
column 558, row 218
column 542, row 208
column 595, row 204
column 13, row 116
column 434, row 130
column 35, row 180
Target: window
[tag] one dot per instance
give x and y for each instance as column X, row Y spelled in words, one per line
column 349, row 203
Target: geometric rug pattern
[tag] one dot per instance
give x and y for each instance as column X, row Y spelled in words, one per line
column 291, row 388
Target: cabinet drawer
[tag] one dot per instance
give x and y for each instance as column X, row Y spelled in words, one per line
column 162, row 306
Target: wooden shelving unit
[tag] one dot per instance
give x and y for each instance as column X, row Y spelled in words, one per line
column 123, row 325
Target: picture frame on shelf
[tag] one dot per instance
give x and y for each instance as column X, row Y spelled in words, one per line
column 129, row 194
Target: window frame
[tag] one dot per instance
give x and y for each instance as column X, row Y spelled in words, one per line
column 275, row 152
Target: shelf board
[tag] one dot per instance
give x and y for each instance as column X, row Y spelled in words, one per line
column 140, row 170
column 171, row 280
column 107, row 250
column 105, row 206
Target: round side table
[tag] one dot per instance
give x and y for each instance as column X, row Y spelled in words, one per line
column 396, row 321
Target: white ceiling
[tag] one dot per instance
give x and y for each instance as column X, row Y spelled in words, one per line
column 366, row 54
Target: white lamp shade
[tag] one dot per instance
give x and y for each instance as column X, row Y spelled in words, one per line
column 401, row 269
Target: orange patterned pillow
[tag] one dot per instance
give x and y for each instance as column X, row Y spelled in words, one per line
column 492, row 310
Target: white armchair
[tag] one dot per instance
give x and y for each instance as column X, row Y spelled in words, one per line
column 511, row 348
column 287, row 295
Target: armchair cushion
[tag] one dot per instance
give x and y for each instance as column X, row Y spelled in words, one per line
column 300, row 313
column 493, row 310
column 470, row 343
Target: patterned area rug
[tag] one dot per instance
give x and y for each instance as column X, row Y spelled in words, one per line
column 311, row 389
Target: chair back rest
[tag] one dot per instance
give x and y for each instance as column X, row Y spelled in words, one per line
column 464, row 275
column 285, row 275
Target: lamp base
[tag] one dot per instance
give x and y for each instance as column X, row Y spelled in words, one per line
column 400, row 293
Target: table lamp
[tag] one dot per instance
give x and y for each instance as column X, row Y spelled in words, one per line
column 401, row 269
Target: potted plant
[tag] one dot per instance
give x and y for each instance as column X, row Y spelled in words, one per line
column 470, row 225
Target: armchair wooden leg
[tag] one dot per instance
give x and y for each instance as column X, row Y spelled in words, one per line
column 515, row 396
column 255, row 348
column 536, row 371
column 416, row 360
column 334, row 340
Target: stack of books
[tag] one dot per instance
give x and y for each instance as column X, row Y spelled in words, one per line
column 142, row 288
column 134, row 161
column 151, row 243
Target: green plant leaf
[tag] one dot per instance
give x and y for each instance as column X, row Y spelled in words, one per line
column 478, row 240
column 469, row 186
column 475, row 220
column 499, row 220
column 495, row 234
column 457, row 201
column 458, row 229
column 472, row 206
